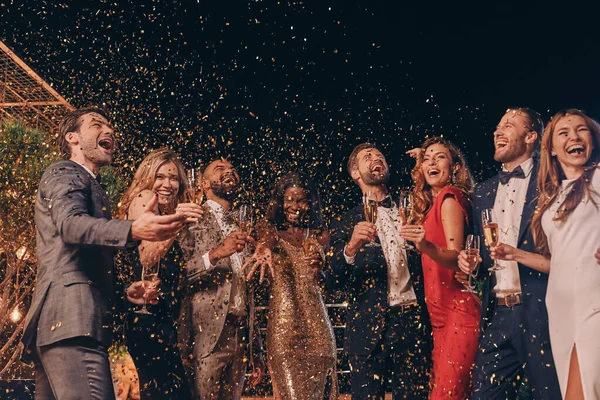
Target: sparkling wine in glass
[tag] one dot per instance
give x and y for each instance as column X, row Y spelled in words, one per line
column 472, row 249
column 405, row 209
column 149, row 273
column 194, row 175
column 490, row 233
column 246, row 218
column 370, row 205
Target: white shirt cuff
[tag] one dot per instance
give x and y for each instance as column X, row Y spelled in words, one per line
column 207, row 265
column 349, row 260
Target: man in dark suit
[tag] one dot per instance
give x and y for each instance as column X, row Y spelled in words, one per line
column 514, row 343
column 387, row 334
column 68, row 328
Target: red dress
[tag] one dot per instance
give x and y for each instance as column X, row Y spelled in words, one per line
column 454, row 314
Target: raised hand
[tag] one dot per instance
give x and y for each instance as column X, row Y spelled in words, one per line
column 263, row 259
column 364, row 232
column 155, row 228
column 141, row 292
column 466, row 263
column 503, row 251
column 413, row 233
column 414, row 153
column 192, row 211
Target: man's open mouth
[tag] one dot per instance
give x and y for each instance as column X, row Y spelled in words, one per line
column 106, row 143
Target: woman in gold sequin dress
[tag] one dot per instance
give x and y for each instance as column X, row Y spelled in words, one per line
column 300, row 343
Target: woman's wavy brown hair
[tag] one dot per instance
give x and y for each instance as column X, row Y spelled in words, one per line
column 145, row 176
column 422, row 196
column 551, row 176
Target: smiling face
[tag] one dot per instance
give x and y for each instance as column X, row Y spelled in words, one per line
column 511, row 137
column 572, row 142
column 166, row 183
column 95, row 140
column 295, row 204
column 371, row 167
column 221, row 179
column 437, row 166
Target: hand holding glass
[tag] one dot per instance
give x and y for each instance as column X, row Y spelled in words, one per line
column 472, row 249
column 370, row 205
column 405, row 209
column 490, row 233
column 149, row 273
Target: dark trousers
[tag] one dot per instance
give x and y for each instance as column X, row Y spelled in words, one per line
column 152, row 343
column 399, row 362
column 513, row 347
column 73, row 369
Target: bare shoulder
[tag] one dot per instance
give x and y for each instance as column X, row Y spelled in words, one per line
column 139, row 203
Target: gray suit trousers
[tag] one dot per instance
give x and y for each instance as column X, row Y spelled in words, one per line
column 73, row 369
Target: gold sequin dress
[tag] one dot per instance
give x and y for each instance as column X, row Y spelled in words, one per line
column 300, row 343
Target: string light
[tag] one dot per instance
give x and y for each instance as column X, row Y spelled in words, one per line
column 15, row 315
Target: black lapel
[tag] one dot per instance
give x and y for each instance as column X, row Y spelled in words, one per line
column 530, row 202
column 488, row 194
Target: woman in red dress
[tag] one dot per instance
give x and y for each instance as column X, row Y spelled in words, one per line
column 440, row 218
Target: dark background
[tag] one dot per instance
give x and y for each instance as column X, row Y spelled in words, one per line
column 290, row 84
column 296, row 85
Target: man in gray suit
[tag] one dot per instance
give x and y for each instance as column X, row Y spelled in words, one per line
column 68, row 327
column 217, row 311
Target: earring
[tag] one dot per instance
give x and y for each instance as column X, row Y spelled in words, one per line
column 454, row 178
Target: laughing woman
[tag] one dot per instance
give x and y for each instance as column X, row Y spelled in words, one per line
column 152, row 339
column 566, row 229
column 300, row 343
column 442, row 188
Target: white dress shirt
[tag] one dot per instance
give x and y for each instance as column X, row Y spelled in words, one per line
column 238, row 288
column 508, row 208
column 400, row 290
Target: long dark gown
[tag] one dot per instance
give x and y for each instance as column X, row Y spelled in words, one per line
column 152, row 339
column 300, row 342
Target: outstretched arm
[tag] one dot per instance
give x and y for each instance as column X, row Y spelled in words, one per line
column 532, row 260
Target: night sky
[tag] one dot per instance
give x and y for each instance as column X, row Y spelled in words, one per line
column 287, row 85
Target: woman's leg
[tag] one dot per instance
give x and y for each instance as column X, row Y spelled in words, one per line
column 574, row 385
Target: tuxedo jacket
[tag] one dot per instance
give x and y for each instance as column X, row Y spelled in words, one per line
column 206, row 294
column 76, row 242
column 533, row 283
column 366, row 285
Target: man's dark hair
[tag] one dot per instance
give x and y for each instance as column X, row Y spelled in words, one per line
column 71, row 123
column 354, row 155
column 534, row 120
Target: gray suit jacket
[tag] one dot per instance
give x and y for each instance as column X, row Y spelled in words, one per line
column 206, row 297
column 76, row 242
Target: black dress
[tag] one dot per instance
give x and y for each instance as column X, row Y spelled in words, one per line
column 152, row 339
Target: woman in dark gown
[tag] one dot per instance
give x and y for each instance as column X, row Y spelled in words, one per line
column 152, row 339
column 301, row 349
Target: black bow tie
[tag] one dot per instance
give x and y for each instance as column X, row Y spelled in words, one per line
column 98, row 179
column 387, row 202
column 515, row 173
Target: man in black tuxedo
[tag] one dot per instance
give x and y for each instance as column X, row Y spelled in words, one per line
column 514, row 342
column 68, row 327
column 387, row 334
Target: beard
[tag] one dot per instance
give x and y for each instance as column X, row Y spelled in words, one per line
column 226, row 192
column 95, row 153
column 370, row 178
column 515, row 149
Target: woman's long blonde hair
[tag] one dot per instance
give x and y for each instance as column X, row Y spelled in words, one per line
column 551, row 175
column 145, row 176
column 422, row 195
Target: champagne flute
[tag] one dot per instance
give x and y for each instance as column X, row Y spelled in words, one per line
column 370, row 205
column 405, row 210
column 193, row 175
column 472, row 249
column 149, row 273
column 490, row 233
column 246, row 218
